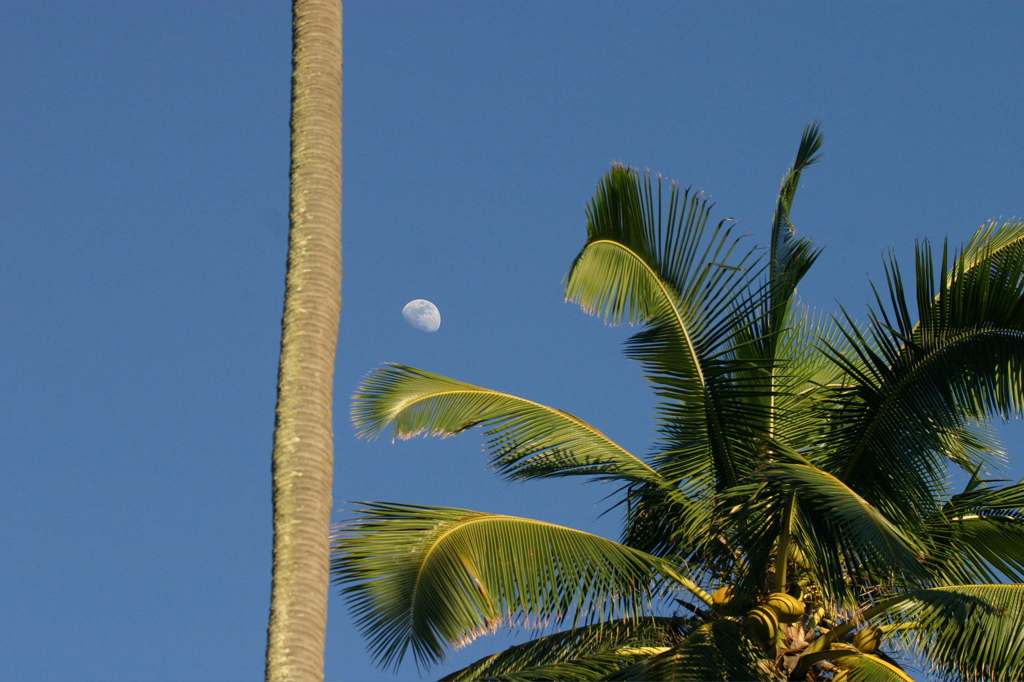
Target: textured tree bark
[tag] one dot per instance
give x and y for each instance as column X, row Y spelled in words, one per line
column 303, row 458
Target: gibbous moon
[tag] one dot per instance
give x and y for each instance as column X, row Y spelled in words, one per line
column 422, row 314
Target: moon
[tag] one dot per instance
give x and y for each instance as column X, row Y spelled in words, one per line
column 422, row 314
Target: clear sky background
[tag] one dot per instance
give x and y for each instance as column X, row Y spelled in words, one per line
column 143, row 231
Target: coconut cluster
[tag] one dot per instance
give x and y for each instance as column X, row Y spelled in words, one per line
column 763, row 620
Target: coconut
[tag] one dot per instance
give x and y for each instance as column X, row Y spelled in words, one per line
column 722, row 596
column 762, row 623
column 726, row 603
column 788, row 608
column 868, row 639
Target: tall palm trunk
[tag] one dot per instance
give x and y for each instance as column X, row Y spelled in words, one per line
column 303, row 461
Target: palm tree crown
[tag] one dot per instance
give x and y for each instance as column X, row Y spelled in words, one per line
column 795, row 518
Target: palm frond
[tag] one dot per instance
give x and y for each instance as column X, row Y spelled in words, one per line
column 979, row 536
column 649, row 259
column 855, row 666
column 718, row 650
column 987, row 498
column 526, row 439
column 866, row 537
column 987, row 546
column 973, row 446
column 644, row 249
column 749, row 519
column 599, row 666
column 429, row 578
column 844, row 543
column 665, row 525
column 805, row 381
column 967, row 632
column 580, row 653
column 991, row 243
column 791, row 256
column 918, row 383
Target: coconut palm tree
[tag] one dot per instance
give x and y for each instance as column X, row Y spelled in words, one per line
column 303, row 459
column 795, row 518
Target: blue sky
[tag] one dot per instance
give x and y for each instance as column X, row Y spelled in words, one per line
column 143, row 218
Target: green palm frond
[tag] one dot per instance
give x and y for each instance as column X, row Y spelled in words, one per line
column 973, row 446
column 855, row 666
column 866, row 536
column 984, row 547
column 708, row 433
column 664, row 525
column 791, row 256
column 805, row 381
column 844, row 543
column 526, row 439
column 979, row 536
column 987, row 498
column 599, row 666
column 880, row 423
column 748, row 520
column 429, row 578
column 989, row 245
column 824, row 563
column 967, row 632
column 644, row 250
column 766, row 336
column 715, row 651
column 580, row 652
column 921, row 382
column 649, row 259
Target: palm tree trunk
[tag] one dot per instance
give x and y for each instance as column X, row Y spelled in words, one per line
column 303, row 460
